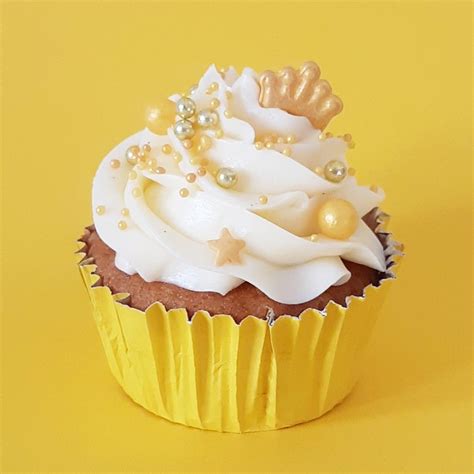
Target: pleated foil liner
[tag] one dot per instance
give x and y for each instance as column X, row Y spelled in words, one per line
column 212, row 373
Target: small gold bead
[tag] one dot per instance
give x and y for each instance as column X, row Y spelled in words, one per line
column 374, row 188
column 228, row 94
column 313, row 237
column 100, row 210
column 219, row 133
column 151, row 162
column 160, row 170
column 223, row 69
column 146, row 148
column 347, row 137
column 280, row 140
column 227, row 114
column 201, row 171
column 322, row 137
column 183, row 192
column 269, row 145
column 136, row 192
column 132, row 175
column 290, row 139
column 115, row 164
column 190, row 177
column 351, row 171
column 267, row 139
column 205, row 142
column 166, row 149
column 351, row 145
column 259, row 145
column 319, row 171
column 212, row 88
column 215, row 103
column 122, row 225
column 125, row 212
column 263, row 199
column 188, row 144
column 203, row 161
column 287, row 151
column 194, row 161
column 177, row 156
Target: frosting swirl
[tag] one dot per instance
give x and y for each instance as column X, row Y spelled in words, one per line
column 167, row 236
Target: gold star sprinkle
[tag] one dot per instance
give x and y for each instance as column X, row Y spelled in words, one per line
column 227, row 248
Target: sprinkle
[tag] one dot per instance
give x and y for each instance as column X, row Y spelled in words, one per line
column 269, row 145
column 146, row 148
column 190, row 177
column 347, row 137
column 100, row 210
column 219, row 133
column 328, row 135
column 215, row 103
column 374, row 188
column 160, row 170
column 287, row 151
column 125, row 212
column 183, row 192
column 136, row 192
column 115, row 164
column 188, row 144
column 166, row 149
column 262, row 199
column 151, row 163
column 259, row 145
column 228, row 94
column 290, row 139
column 280, row 140
column 176, row 156
column 319, row 171
column 212, row 88
column 132, row 175
column 122, row 225
column 201, row 171
column 205, row 142
column 313, row 237
column 227, row 114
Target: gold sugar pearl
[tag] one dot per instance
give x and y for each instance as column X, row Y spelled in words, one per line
column 151, row 162
column 190, row 177
column 290, row 139
column 215, row 103
column 313, row 237
column 213, row 86
column 322, row 137
column 115, row 164
column 280, row 140
column 100, row 210
column 337, row 219
column 228, row 94
column 263, row 199
column 160, row 170
column 132, row 175
column 132, row 153
column 146, row 148
column 201, row 171
column 219, row 133
column 319, row 171
column 188, row 144
column 335, row 171
column 269, row 145
column 347, row 137
column 166, row 149
column 228, row 114
column 287, row 151
column 176, row 156
column 122, row 225
column 205, row 142
column 194, row 161
column 267, row 139
column 136, row 192
column 351, row 171
column 183, row 192
column 125, row 212
column 259, row 145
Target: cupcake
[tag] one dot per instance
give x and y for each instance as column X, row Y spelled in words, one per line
column 235, row 266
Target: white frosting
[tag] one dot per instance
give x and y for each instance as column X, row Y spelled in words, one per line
column 166, row 236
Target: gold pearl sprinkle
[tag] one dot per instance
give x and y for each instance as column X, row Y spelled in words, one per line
column 205, row 142
column 351, row 171
column 166, row 149
column 188, row 144
column 115, row 164
column 280, row 140
column 125, row 212
column 122, row 225
column 160, row 170
column 132, row 175
column 228, row 94
column 287, row 151
column 151, row 162
column 374, row 188
column 347, row 137
column 201, row 171
column 313, row 237
column 183, row 192
column 215, row 103
column 259, row 145
column 146, row 148
column 190, row 177
column 212, row 88
column 177, row 156
column 290, row 139
column 322, row 137
column 228, row 114
column 219, row 133
column 136, row 192
column 194, row 161
column 100, row 210
column 269, row 145
column 263, row 199
column 319, row 171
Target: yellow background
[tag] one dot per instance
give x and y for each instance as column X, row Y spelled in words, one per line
column 76, row 79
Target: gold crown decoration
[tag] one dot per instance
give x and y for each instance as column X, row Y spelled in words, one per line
column 300, row 92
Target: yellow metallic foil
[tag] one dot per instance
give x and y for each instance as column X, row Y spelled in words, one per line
column 214, row 374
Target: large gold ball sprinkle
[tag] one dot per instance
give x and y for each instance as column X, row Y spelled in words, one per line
column 132, row 154
column 226, row 178
column 207, row 118
column 337, row 219
column 335, row 171
column 183, row 129
column 185, row 107
column 160, row 116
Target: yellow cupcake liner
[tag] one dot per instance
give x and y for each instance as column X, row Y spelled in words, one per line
column 214, row 374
